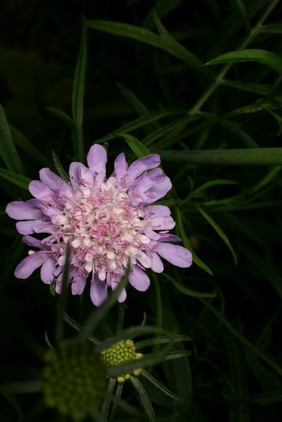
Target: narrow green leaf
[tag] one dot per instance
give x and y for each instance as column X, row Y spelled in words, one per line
column 8, row 150
column 271, row 174
column 142, row 121
column 227, row 157
column 164, row 41
column 252, row 55
column 108, row 398
column 178, row 354
column 15, row 178
column 133, row 100
column 276, row 117
column 161, row 340
column 219, row 231
column 259, row 89
column 160, row 386
column 60, row 169
column 185, row 290
column 62, row 115
column 168, row 132
column 139, row 149
column 217, row 182
column 144, row 398
column 187, row 244
column 78, row 94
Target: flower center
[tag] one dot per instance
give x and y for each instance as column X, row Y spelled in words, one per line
column 103, row 227
column 120, row 353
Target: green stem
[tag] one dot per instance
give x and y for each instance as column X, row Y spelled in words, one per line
column 227, row 157
column 219, row 78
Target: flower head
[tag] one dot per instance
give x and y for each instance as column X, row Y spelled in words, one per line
column 122, row 352
column 109, row 223
column 74, row 378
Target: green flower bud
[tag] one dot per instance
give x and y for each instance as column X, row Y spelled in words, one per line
column 120, row 353
column 74, row 379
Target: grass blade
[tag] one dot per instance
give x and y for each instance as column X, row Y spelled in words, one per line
column 252, row 55
column 164, row 41
column 8, row 150
column 219, row 231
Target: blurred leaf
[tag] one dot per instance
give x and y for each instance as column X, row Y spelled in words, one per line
column 264, row 399
column 253, row 55
column 78, row 94
column 273, row 28
column 15, row 178
column 8, row 150
column 62, row 115
column 26, row 145
column 239, row 6
column 139, row 107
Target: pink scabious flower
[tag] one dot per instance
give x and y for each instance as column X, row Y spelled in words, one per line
column 109, row 224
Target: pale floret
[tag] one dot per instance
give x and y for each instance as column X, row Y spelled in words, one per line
column 109, row 224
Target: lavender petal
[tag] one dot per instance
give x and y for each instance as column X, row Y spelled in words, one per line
column 80, row 175
column 120, row 166
column 142, row 164
column 98, row 291
column 20, row 210
column 175, row 254
column 78, row 284
column 97, row 159
column 138, row 279
column 47, row 271
column 157, row 265
column 40, row 190
column 52, row 180
column 29, row 264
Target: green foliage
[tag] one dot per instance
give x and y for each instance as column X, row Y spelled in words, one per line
column 200, row 84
